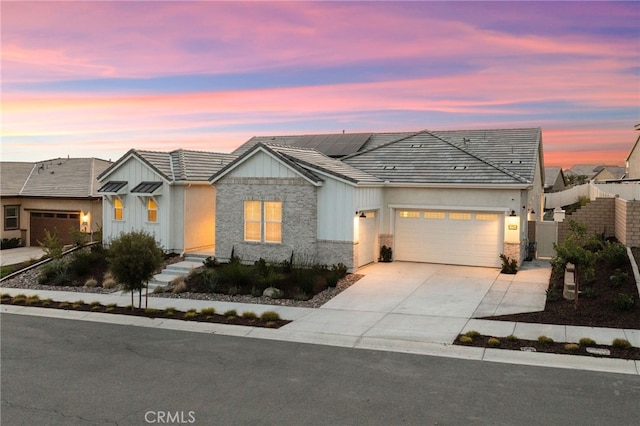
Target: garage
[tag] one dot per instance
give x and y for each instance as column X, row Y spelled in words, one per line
column 367, row 232
column 62, row 222
column 471, row 238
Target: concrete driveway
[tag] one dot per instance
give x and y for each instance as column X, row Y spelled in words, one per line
column 426, row 302
column 20, row 254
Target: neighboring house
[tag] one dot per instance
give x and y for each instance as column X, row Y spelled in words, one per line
column 554, row 180
column 455, row 197
column 164, row 193
column 586, row 170
column 55, row 195
column 633, row 160
column 610, row 173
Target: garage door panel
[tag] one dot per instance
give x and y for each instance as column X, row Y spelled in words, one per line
column 460, row 237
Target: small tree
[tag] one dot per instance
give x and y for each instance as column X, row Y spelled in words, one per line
column 133, row 258
column 52, row 244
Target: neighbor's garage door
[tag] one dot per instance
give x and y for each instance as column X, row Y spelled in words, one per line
column 62, row 222
column 367, row 238
column 451, row 237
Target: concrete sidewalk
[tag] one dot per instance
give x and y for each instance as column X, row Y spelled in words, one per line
column 20, row 254
column 400, row 307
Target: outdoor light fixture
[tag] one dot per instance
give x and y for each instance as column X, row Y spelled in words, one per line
column 513, row 213
column 362, row 215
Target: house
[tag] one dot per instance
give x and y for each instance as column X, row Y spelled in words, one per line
column 554, row 180
column 610, row 173
column 55, row 195
column 633, row 160
column 458, row 197
column 455, row 197
column 165, row 194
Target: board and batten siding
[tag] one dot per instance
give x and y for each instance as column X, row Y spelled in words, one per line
column 262, row 165
column 336, row 211
column 135, row 210
column 369, row 198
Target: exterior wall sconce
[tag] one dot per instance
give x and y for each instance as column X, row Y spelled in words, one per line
column 362, row 215
column 513, row 213
column 85, row 221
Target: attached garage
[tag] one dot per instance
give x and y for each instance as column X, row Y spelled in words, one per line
column 367, row 232
column 451, row 237
column 62, row 222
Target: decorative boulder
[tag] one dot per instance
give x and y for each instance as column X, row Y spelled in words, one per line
column 272, row 293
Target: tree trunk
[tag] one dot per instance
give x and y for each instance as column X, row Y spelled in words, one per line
column 132, row 300
column 140, row 298
column 577, row 289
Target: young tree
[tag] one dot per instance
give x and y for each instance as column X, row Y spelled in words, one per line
column 133, row 258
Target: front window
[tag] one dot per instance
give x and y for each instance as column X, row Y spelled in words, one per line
column 252, row 221
column 152, row 210
column 11, row 217
column 263, row 221
column 117, row 209
column 273, row 222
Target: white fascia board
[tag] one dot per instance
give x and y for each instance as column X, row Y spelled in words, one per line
column 454, row 208
column 329, row 175
column 191, row 182
column 459, row 185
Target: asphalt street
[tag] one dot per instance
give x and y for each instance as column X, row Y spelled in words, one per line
column 63, row 372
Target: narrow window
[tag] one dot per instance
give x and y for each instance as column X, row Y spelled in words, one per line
column 152, row 210
column 252, row 220
column 11, row 217
column 117, row 209
column 273, row 221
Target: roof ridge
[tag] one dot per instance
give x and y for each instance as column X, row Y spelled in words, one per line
column 481, row 158
column 382, row 145
column 24, row 185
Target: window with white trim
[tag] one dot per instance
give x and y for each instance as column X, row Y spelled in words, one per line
column 263, row 221
column 11, row 217
column 118, row 209
column 152, row 210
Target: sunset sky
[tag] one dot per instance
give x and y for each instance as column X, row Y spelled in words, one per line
column 94, row 79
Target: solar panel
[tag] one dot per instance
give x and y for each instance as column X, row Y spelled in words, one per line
column 334, row 145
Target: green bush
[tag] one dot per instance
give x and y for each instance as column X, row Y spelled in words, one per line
column 235, row 274
column 56, row 273
column 553, row 294
column 511, row 338
column 210, row 262
column 249, row 315
column 571, row 347
column 207, row 311
column 545, row 340
column 81, row 262
column 614, row 254
column 493, row 342
column 231, row 313
column 386, row 254
column 624, row 302
column 621, row 343
column 270, row 316
column 6, row 270
column 618, row 279
column 190, row 314
column 9, row 243
column 509, row 266
column 52, row 244
column 336, row 273
column 587, row 341
column 472, row 333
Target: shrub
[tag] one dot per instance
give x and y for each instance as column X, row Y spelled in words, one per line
column 47, row 302
column 207, row 311
column 553, row 294
column 233, row 290
column 170, row 310
column 231, row 313
column 62, row 305
column 301, row 296
column 55, row 273
column 190, row 314
column 624, row 302
column 587, row 341
column 210, row 262
column 545, row 340
column 151, row 311
column 109, row 283
column 91, row 282
column 511, row 338
column 256, row 292
column 493, row 342
column 571, row 347
column 249, row 315
column 614, row 253
column 386, row 254
column 472, row 333
column 178, row 285
column 235, row 274
column 81, row 262
column 270, row 316
column 336, row 273
column 589, row 293
column 9, row 243
column 6, row 270
column 52, row 244
column 32, row 300
column 509, row 266
column 465, row 339
column 621, row 343
column 95, row 304
column 77, row 304
column 21, row 298
column 618, row 279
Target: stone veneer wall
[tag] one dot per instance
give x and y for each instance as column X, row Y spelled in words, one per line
column 514, row 251
column 299, row 218
column 627, row 222
column 599, row 216
column 334, row 252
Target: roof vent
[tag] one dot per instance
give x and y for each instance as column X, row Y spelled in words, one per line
column 389, row 167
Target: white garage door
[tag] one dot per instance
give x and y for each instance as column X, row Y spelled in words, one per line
column 367, row 238
column 451, row 237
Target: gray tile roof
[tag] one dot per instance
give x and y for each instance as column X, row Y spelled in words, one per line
column 505, row 156
column 589, row 170
column 551, row 175
column 56, row 178
column 180, row 165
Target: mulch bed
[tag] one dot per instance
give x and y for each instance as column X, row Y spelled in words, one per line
column 556, row 348
column 148, row 313
column 595, row 310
